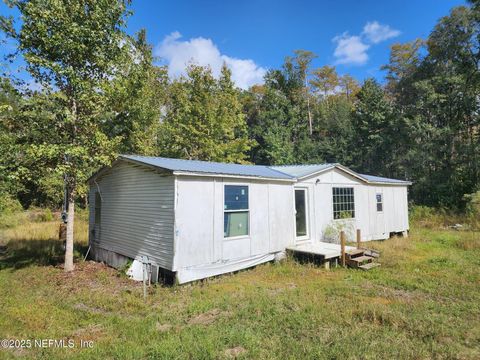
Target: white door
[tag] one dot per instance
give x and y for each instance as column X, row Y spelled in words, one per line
column 301, row 214
column 379, row 225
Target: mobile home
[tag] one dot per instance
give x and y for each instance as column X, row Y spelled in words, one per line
column 196, row 219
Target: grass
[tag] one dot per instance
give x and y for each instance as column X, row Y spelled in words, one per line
column 423, row 303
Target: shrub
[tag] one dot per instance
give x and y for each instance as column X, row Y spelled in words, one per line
column 40, row 215
column 11, row 212
column 473, row 209
column 81, row 214
column 432, row 218
column 8, row 205
column 425, row 216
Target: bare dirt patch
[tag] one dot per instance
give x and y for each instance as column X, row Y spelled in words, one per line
column 163, row 327
column 278, row 290
column 235, row 352
column 208, row 317
column 94, row 276
column 83, row 307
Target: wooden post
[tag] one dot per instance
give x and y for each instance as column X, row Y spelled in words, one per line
column 359, row 238
column 342, row 245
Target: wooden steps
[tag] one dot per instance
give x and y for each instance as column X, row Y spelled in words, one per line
column 362, row 259
column 355, row 252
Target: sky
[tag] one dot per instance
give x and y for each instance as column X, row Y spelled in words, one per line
column 254, row 36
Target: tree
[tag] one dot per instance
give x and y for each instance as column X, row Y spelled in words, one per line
column 269, row 117
column 325, row 80
column 348, row 86
column 404, row 59
column 136, row 99
column 10, row 102
column 72, row 48
column 303, row 59
column 204, row 118
column 446, row 99
column 372, row 124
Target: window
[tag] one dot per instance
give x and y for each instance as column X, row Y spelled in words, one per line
column 300, row 212
column 343, row 203
column 379, row 202
column 235, row 219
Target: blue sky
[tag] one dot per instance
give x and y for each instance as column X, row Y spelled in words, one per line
column 253, row 36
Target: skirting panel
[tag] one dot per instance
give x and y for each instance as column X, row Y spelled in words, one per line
column 222, row 267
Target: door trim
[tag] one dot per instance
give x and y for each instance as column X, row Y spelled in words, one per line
column 304, row 238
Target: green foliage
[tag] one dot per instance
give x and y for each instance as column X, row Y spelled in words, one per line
column 9, row 205
column 473, row 204
column 373, row 129
column 72, row 50
column 11, row 211
column 40, row 215
column 473, row 209
column 204, row 119
column 135, row 99
column 103, row 94
column 426, row 216
column 437, row 96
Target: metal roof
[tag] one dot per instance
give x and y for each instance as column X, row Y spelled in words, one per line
column 282, row 172
column 197, row 166
column 379, row 179
column 299, row 171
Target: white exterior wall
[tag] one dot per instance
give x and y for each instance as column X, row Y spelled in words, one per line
column 177, row 220
column 373, row 225
column 200, row 247
column 137, row 213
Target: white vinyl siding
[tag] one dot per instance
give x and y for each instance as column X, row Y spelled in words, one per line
column 137, row 213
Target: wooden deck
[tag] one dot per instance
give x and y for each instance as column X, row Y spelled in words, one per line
column 326, row 250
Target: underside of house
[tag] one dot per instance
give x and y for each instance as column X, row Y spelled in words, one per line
column 195, row 219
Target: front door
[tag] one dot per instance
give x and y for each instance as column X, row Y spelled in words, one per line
column 301, row 215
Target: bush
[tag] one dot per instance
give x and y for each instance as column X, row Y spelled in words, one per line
column 8, row 205
column 11, row 212
column 40, row 215
column 473, row 209
column 81, row 214
column 429, row 217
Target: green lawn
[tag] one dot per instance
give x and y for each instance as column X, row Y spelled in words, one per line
column 423, row 302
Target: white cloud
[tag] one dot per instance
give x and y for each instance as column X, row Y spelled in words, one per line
column 376, row 32
column 180, row 53
column 350, row 49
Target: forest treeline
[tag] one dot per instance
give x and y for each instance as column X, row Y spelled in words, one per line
column 103, row 93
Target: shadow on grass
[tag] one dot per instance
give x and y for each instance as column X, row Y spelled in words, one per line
column 305, row 259
column 22, row 253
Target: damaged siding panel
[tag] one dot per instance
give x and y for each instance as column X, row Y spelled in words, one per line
column 137, row 213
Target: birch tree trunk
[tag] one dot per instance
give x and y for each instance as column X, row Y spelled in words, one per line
column 70, row 223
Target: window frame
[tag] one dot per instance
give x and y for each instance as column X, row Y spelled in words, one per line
column 334, row 196
column 225, row 211
column 379, row 202
column 307, row 217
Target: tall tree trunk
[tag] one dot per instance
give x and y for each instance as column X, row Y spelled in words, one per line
column 70, row 223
